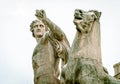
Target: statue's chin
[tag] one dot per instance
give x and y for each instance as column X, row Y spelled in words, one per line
column 39, row 35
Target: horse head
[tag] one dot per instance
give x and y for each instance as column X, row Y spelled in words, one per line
column 84, row 19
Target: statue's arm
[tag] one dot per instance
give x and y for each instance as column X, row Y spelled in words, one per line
column 56, row 31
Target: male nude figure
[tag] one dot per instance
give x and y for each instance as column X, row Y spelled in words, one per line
column 52, row 45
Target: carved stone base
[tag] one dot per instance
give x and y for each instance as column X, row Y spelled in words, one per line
column 85, row 71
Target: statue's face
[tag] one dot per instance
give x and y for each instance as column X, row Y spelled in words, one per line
column 39, row 29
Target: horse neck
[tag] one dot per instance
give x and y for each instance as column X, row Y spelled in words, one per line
column 91, row 38
column 94, row 42
column 94, row 34
column 88, row 43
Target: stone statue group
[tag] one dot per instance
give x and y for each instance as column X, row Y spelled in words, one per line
column 80, row 63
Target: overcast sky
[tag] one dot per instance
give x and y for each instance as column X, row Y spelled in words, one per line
column 17, row 43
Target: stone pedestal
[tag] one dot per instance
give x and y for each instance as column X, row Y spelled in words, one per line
column 117, row 70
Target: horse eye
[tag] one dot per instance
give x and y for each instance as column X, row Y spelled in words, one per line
column 92, row 15
column 80, row 11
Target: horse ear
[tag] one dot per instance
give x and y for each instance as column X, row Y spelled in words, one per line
column 98, row 14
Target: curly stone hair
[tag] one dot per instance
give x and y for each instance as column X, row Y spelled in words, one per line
column 32, row 24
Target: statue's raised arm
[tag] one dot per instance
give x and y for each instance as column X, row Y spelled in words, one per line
column 57, row 32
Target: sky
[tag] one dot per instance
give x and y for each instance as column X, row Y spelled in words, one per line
column 17, row 43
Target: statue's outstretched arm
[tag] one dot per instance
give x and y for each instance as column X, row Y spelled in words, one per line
column 56, row 31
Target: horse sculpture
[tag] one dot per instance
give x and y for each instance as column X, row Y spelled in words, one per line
column 84, row 65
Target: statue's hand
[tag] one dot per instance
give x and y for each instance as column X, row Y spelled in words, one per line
column 40, row 14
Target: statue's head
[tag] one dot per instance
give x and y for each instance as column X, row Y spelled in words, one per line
column 83, row 19
column 38, row 28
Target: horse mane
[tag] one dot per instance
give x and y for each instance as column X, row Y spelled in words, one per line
column 88, row 44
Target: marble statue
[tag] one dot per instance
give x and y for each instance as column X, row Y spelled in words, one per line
column 84, row 65
column 52, row 45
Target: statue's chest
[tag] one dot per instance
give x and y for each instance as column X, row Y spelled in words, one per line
column 43, row 52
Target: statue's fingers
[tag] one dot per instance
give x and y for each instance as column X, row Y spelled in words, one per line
column 37, row 14
column 42, row 11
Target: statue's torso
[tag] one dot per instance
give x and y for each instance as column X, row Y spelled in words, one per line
column 43, row 58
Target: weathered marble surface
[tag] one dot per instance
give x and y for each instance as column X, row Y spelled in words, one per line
column 85, row 64
column 51, row 46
